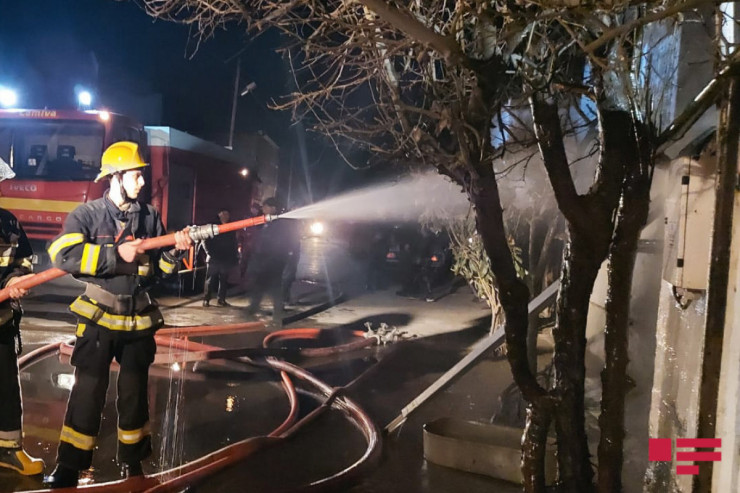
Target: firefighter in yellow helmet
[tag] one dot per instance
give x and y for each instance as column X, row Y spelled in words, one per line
column 100, row 245
column 15, row 264
column 120, row 157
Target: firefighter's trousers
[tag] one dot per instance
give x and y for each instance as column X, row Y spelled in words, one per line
column 10, row 389
column 94, row 350
column 216, row 280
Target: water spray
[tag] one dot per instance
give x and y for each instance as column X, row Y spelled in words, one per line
column 196, row 233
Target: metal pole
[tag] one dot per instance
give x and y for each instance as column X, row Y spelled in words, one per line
column 233, row 103
column 475, row 352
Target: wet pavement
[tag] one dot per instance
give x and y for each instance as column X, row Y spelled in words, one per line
column 197, row 408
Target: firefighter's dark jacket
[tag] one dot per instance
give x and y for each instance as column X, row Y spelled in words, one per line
column 223, row 249
column 86, row 248
column 15, row 258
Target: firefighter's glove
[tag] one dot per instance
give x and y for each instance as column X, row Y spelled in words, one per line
column 183, row 240
column 129, row 250
column 17, row 292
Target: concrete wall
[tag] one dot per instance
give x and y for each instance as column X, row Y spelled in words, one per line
column 680, row 333
column 678, row 356
column 666, row 325
column 680, row 330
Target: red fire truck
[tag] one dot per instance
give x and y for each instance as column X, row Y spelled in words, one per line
column 56, row 155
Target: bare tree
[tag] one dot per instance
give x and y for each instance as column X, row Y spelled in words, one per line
column 435, row 82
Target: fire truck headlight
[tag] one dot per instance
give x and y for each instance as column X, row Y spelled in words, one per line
column 244, row 172
column 317, row 228
column 8, row 97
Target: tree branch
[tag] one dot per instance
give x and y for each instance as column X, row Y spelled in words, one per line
column 550, row 141
column 411, row 27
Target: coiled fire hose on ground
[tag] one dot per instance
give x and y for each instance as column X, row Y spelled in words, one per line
column 195, row 471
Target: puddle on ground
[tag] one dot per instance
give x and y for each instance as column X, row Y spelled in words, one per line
column 195, row 413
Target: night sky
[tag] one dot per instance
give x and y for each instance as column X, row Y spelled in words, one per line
column 47, row 47
column 136, row 65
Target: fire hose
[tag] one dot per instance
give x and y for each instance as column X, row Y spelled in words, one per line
column 211, row 463
column 196, row 233
column 195, row 471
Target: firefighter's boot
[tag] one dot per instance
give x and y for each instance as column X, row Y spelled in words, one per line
column 62, row 477
column 18, row 460
column 131, row 469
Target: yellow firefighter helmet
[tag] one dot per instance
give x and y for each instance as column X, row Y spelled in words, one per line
column 120, row 157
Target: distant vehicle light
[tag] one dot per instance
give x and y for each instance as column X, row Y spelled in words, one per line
column 65, row 381
column 104, row 115
column 317, row 228
column 84, row 98
column 434, row 258
column 244, row 172
column 8, row 97
column 390, row 255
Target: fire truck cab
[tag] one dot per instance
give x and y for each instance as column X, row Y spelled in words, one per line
column 56, row 156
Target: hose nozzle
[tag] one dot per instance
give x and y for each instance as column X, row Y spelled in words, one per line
column 208, row 231
column 204, row 232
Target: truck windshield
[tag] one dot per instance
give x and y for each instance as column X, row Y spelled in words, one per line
column 52, row 150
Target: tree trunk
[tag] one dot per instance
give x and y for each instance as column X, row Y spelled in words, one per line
column 534, row 447
column 581, row 264
column 631, row 218
column 590, row 226
column 514, row 297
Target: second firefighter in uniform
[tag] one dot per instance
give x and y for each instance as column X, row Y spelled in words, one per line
column 15, row 264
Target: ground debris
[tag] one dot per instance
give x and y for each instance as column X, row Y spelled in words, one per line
column 386, row 334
